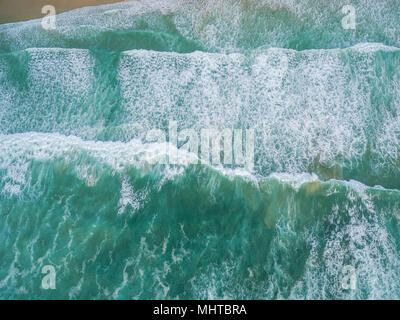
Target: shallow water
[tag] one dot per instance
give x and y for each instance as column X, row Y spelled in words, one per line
column 78, row 191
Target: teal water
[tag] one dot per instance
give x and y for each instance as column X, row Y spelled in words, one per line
column 77, row 190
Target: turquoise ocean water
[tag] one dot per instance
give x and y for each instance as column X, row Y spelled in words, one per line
column 77, row 191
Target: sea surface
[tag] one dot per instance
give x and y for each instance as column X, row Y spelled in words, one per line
column 78, row 191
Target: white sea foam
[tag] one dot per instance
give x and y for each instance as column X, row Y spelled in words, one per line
column 303, row 105
column 217, row 25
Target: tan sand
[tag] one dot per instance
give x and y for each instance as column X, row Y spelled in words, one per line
column 19, row 10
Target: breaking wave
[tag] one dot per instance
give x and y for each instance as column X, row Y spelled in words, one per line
column 78, row 190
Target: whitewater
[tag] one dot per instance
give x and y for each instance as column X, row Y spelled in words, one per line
column 78, row 190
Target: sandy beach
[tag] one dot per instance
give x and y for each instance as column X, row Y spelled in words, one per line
column 20, row 10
